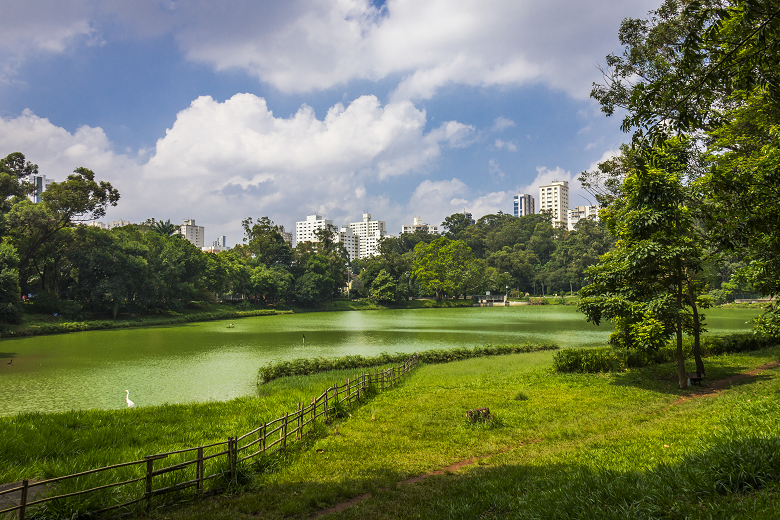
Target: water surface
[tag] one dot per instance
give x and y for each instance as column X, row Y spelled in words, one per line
column 213, row 361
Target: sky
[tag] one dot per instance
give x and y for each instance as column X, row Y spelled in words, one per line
column 222, row 110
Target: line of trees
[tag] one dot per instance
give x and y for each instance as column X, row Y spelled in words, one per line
column 695, row 196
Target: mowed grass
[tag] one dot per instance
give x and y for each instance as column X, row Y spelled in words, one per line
column 561, row 446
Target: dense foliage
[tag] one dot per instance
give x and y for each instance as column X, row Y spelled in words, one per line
column 498, row 253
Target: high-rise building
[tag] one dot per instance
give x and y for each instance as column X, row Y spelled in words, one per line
column 194, row 234
column 369, row 233
column 286, row 236
column 350, row 240
column 305, row 229
column 118, row 223
column 554, row 199
column 419, row 225
column 579, row 212
column 41, row 183
column 524, row 205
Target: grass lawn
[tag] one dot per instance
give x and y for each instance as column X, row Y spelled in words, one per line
column 572, row 446
column 560, row 445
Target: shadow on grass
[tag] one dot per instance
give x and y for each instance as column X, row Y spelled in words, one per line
column 663, row 377
column 723, row 479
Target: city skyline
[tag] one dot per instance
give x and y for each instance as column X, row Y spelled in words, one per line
column 283, row 110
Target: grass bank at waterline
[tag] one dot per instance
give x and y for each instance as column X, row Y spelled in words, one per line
column 619, row 445
column 306, row 366
column 39, row 326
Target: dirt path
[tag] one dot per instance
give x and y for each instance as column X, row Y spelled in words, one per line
column 449, row 469
column 717, row 386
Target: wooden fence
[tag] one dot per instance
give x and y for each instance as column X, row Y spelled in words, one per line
column 88, row 493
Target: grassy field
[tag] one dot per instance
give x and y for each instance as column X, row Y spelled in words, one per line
column 560, row 446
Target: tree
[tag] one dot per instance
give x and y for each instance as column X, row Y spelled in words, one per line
column 164, row 228
column 456, row 224
column 445, row 267
column 645, row 284
column 77, row 199
column 265, row 243
column 383, row 287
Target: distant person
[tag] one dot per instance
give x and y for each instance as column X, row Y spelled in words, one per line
column 304, row 340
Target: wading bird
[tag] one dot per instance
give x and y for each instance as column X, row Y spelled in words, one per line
column 130, row 404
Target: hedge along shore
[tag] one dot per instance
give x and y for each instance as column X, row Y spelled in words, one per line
column 146, row 321
column 308, row 366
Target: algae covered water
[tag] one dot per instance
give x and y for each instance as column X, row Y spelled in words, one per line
column 217, row 361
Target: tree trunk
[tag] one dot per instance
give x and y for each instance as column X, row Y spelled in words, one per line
column 681, row 375
column 696, row 333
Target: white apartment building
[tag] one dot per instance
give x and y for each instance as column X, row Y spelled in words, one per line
column 578, row 212
column 351, row 241
column 286, row 236
column 420, row 225
column 524, row 205
column 369, row 233
column 41, row 183
column 96, row 224
column 191, row 232
column 118, row 223
column 554, row 198
column 304, row 230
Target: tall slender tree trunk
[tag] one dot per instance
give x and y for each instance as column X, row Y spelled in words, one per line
column 681, row 374
column 696, row 332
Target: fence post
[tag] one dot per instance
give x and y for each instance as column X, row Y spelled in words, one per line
column 199, row 470
column 149, row 470
column 23, row 502
column 265, row 429
column 326, row 403
column 231, row 458
column 300, row 420
column 283, row 431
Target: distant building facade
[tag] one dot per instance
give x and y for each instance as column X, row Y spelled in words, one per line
column 579, row 212
column 118, row 223
column 191, row 232
column 305, row 229
column 524, row 205
column 286, row 236
column 41, row 183
column 554, row 198
column 369, row 233
column 419, row 225
column 350, row 240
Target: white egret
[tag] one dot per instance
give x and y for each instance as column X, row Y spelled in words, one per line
column 130, row 404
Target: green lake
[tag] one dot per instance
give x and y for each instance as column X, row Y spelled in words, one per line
column 213, row 361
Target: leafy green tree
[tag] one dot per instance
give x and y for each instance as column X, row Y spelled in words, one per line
column 456, row 224
column 383, row 287
column 265, row 243
column 9, row 284
column 274, row 283
column 445, row 267
column 644, row 285
column 77, row 199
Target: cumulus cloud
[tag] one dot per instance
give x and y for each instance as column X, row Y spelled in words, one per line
column 221, row 162
column 502, row 123
column 305, row 45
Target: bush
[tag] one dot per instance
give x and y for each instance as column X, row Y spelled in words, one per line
column 607, row 359
column 307, row 366
column 589, row 360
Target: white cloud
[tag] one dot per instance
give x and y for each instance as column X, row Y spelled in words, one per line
column 502, row 123
column 221, row 162
column 305, row 45
column 509, row 145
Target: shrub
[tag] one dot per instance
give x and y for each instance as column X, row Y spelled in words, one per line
column 587, row 360
column 306, row 366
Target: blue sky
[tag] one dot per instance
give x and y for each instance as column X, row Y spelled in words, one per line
column 219, row 111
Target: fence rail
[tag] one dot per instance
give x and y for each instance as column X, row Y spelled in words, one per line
column 267, row 438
